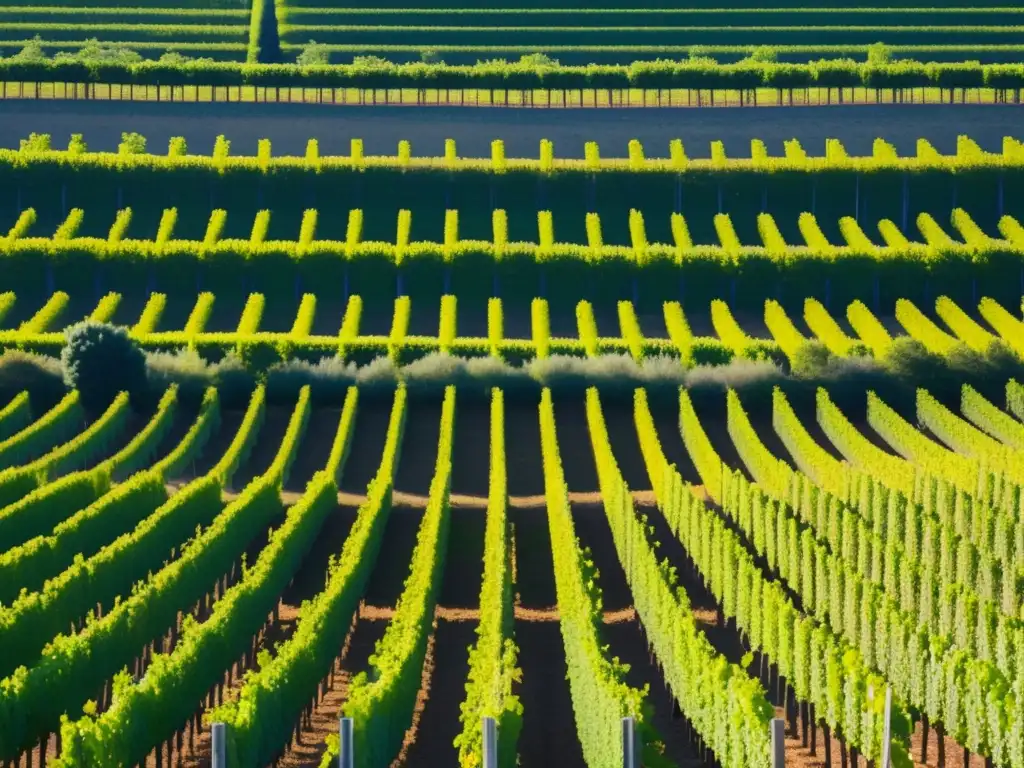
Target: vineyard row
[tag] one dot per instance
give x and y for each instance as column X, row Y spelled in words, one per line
column 893, row 568
column 37, row 152
column 677, row 339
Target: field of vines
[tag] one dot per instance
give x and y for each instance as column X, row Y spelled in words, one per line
column 618, row 35
column 707, row 442
column 149, row 28
column 410, row 31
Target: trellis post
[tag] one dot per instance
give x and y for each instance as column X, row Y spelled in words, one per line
column 346, row 750
column 778, row 742
column 630, row 745
column 886, row 730
column 490, row 726
column 219, row 745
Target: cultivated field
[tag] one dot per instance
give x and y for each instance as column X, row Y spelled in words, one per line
column 742, row 552
column 152, row 28
column 622, row 35
column 426, row 417
column 231, row 31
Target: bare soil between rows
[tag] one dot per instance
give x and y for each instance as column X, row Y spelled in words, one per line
column 289, row 126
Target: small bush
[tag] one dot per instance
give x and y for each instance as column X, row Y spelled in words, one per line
column 100, row 360
column 763, row 54
column 811, row 359
column 259, row 355
column 314, row 54
column 879, row 54
column 193, row 375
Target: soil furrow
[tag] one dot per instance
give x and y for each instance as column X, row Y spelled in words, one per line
column 548, row 735
column 624, row 638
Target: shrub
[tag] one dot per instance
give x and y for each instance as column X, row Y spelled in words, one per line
column 763, row 54
column 38, row 375
column 100, row 360
column 193, row 375
column 812, row 358
column 879, row 54
column 314, row 54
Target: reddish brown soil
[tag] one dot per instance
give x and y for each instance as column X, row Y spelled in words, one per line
column 436, row 720
column 310, row 578
column 624, row 638
column 360, row 643
column 372, row 621
column 391, row 568
column 549, row 726
column 431, row 740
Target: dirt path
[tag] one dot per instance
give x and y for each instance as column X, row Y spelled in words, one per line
column 459, row 602
column 368, row 627
column 548, row 736
column 624, row 638
column 723, row 636
column 436, row 718
column 290, row 125
column 386, row 581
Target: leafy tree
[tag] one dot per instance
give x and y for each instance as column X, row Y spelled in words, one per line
column 313, row 54
column 33, row 51
column 763, row 54
column 538, row 60
column 879, row 54
column 100, row 360
column 370, row 62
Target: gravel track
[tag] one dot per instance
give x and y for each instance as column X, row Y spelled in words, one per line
column 473, row 128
